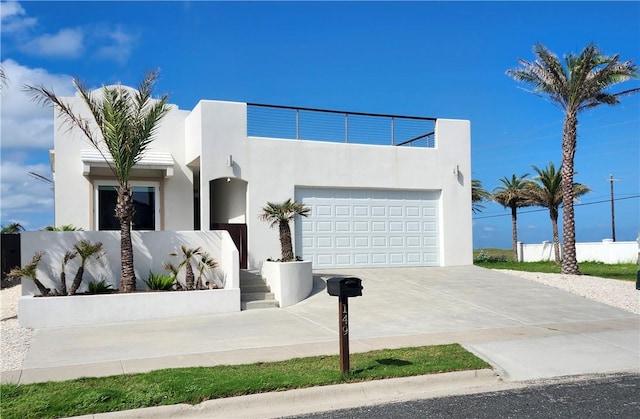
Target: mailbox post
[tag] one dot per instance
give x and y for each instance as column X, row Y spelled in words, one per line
column 343, row 288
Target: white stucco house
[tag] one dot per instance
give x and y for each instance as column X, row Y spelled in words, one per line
column 377, row 198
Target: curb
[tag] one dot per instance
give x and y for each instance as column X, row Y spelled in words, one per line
column 325, row 398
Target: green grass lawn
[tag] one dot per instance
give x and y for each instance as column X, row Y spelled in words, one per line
column 502, row 259
column 193, row 385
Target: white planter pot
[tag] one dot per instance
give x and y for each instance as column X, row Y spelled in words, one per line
column 290, row 282
column 43, row 312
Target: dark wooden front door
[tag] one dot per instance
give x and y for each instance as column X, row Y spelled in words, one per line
column 238, row 233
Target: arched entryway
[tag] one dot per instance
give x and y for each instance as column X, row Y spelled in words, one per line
column 228, row 211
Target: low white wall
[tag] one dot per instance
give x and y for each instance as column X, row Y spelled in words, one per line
column 290, row 282
column 151, row 250
column 43, row 312
column 606, row 251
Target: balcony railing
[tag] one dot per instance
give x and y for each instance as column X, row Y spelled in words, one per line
column 276, row 121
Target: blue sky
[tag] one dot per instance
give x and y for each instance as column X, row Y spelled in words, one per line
column 436, row 59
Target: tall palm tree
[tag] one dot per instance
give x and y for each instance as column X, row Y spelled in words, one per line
column 281, row 214
column 583, row 84
column 478, row 195
column 546, row 192
column 512, row 194
column 127, row 122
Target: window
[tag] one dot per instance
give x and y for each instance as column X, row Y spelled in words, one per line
column 145, row 203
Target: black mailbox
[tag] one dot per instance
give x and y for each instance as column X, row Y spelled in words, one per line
column 344, row 286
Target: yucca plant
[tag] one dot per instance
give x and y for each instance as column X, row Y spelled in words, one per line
column 160, row 282
column 29, row 271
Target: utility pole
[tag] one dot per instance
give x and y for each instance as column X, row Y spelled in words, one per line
column 613, row 216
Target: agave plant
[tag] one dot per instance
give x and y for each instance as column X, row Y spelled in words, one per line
column 29, row 271
column 100, row 287
column 160, row 282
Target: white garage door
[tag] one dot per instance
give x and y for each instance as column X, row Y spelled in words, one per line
column 350, row 228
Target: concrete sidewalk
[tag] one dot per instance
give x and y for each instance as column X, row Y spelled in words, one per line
column 526, row 330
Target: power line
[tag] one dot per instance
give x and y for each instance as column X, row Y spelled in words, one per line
column 579, row 204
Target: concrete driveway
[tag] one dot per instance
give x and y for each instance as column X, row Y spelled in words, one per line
column 526, row 330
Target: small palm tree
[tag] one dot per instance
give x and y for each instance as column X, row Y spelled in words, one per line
column 66, row 227
column 511, row 194
column 546, row 192
column 12, row 228
column 478, row 195
column 187, row 253
column 206, row 263
column 583, row 84
column 281, row 214
column 86, row 251
column 30, row 271
column 68, row 257
column 127, row 123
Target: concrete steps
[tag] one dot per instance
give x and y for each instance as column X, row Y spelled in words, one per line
column 254, row 292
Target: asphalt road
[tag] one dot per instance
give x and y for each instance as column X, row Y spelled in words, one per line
column 603, row 397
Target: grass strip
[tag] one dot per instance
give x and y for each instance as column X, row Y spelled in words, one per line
column 621, row 271
column 193, row 385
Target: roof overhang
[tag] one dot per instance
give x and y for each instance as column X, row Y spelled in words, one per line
column 162, row 162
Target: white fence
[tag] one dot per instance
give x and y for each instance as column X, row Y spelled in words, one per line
column 606, row 251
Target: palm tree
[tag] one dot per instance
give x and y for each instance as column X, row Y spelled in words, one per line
column 206, row 263
column 281, row 214
column 187, row 254
column 581, row 85
column 66, row 227
column 86, row 251
column 68, row 256
column 12, row 228
column 127, row 123
column 478, row 195
column 30, row 270
column 511, row 194
column 547, row 192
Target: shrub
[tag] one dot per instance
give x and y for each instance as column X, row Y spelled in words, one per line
column 160, row 282
column 100, row 287
column 486, row 258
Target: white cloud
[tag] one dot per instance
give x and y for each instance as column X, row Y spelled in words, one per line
column 12, row 18
column 488, row 228
column 111, row 42
column 24, row 197
column 65, row 43
column 119, row 44
column 25, row 124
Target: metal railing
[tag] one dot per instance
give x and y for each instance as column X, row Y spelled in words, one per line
column 288, row 122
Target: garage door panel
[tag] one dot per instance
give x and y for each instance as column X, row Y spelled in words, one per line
column 360, row 227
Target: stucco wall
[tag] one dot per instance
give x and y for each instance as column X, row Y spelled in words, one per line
column 274, row 167
column 74, row 192
column 151, row 250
